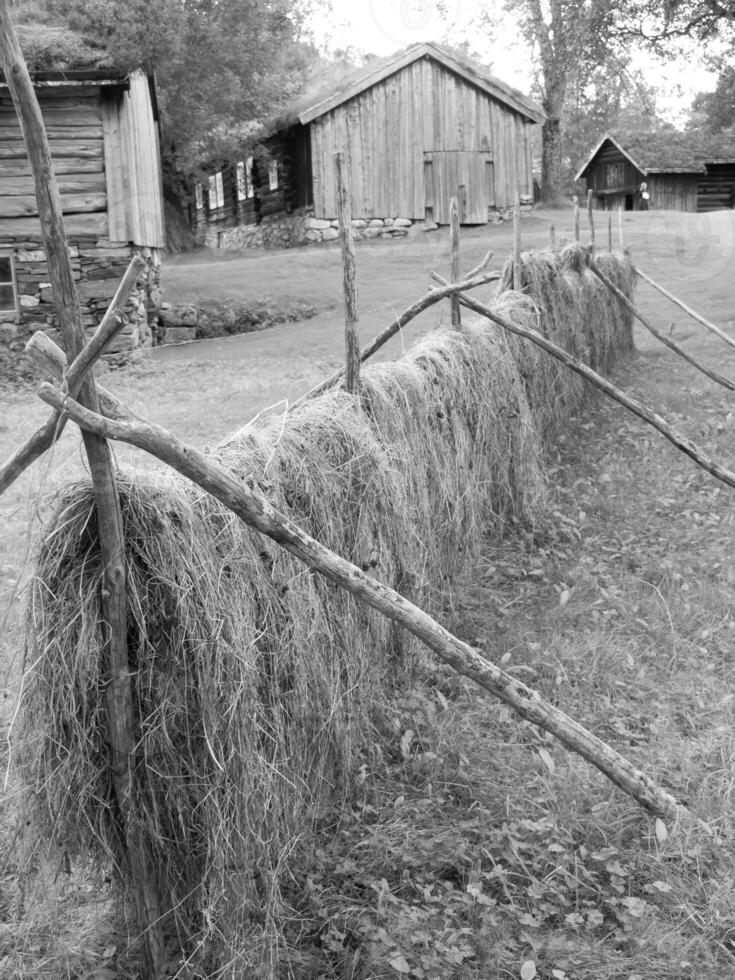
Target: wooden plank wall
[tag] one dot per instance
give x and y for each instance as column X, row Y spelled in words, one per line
column 673, row 192
column 73, row 118
column 141, row 165
column 386, row 130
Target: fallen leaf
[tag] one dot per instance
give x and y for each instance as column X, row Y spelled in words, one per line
column 399, row 963
column 528, row 970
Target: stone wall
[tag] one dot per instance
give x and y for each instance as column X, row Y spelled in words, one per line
column 324, row 230
column 300, row 228
column 274, row 231
column 97, row 267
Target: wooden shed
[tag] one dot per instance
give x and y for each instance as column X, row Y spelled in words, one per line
column 103, row 134
column 681, row 171
column 417, row 128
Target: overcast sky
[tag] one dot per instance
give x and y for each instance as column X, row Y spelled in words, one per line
column 383, row 26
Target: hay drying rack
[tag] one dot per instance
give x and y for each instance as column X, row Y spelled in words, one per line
column 101, row 417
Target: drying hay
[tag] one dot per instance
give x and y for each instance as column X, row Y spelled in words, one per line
column 256, row 681
column 563, row 300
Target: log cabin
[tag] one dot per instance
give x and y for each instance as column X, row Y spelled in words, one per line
column 417, row 128
column 680, row 171
column 103, row 133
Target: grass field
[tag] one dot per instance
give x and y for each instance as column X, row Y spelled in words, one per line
column 476, row 847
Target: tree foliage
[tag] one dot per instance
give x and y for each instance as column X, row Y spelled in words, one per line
column 222, row 66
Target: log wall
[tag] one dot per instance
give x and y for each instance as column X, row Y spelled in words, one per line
column 716, row 188
column 104, row 146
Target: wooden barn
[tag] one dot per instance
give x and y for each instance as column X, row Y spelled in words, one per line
column 417, row 128
column 103, row 133
column 681, row 171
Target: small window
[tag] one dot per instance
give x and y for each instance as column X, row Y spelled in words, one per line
column 8, row 291
column 242, row 191
column 216, row 191
column 199, row 196
column 273, row 175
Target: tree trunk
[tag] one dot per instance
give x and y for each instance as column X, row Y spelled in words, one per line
column 551, row 161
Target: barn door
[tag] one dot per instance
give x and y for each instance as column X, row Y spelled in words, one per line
column 465, row 174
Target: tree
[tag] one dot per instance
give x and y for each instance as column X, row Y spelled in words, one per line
column 715, row 111
column 222, row 66
column 571, row 39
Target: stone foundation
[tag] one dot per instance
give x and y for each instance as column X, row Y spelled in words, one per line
column 302, row 228
column 274, row 231
column 325, row 230
column 97, row 267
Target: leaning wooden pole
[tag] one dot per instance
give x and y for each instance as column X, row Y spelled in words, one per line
column 456, row 316
column 45, row 436
column 612, row 391
column 349, row 275
column 687, row 309
column 576, row 222
column 667, row 341
column 240, row 497
column 113, row 593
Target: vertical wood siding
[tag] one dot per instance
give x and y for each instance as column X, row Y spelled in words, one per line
column 387, row 131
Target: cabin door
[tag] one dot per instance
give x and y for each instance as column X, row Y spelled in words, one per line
column 467, row 175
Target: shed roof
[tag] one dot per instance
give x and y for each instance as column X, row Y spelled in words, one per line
column 667, row 151
column 326, row 95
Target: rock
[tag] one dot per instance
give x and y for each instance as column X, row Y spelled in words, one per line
column 359, row 223
column 179, row 316
column 314, row 224
column 375, row 223
column 329, row 234
column 372, row 232
column 178, row 335
column 313, row 236
column 27, row 302
column 402, row 223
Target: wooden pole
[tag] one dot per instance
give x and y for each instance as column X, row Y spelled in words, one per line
column 576, row 222
column 435, row 296
column 591, row 219
column 621, row 239
column 687, row 309
column 119, row 705
column 352, row 340
column 552, row 236
column 240, row 497
column 667, row 341
column 637, row 408
column 456, row 316
column 517, row 268
column 45, row 436
column 609, row 232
